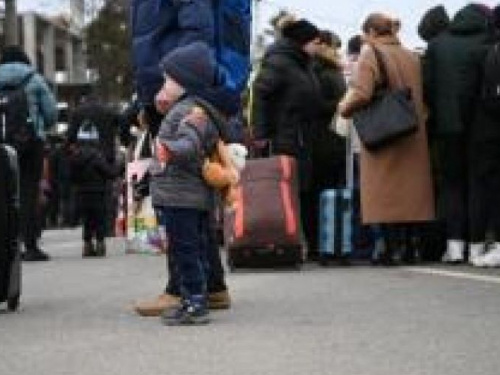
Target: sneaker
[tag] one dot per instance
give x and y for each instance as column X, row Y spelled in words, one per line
column 454, row 252
column 476, row 251
column 35, row 256
column 100, row 249
column 173, row 314
column 153, row 308
column 185, row 314
column 219, row 300
column 88, row 250
column 490, row 259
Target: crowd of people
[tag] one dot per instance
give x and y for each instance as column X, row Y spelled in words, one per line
column 448, row 165
column 304, row 101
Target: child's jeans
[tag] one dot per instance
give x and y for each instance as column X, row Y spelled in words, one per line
column 187, row 236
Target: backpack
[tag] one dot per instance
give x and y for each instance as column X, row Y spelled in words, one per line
column 87, row 147
column 233, row 22
column 16, row 125
column 491, row 79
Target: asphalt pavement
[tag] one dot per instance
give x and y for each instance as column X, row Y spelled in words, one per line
column 76, row 318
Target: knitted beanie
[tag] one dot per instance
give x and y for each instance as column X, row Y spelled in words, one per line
column 192, row 66
column 301, row 32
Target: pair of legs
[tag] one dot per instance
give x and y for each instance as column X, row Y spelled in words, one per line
column 484, row 203
column 30, row 170
column 402, row 242
column 453, row 162
column 93, row 213
column 215, row 271
column 187, row 235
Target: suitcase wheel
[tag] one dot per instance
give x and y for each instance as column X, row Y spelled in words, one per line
column 324, row 260
column 13, row 303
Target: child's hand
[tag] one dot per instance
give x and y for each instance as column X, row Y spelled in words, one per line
column 163, row 154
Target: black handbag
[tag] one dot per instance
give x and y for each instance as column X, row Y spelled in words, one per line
column 390, row 116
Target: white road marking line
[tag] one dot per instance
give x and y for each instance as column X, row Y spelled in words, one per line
column 455, row 274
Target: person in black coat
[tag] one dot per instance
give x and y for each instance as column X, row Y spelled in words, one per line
column 91, row 147
column 328, row 148
column 287, row 102
column 484, row 200
column 452, row 85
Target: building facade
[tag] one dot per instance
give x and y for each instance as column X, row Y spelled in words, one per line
column 54, row 46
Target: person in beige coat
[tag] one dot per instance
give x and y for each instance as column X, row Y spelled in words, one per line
column 396, row 182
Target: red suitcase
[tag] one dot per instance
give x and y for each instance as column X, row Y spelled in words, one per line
column 263, row 228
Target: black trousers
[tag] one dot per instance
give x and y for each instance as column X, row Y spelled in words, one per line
column 453, row 159
column 93, row 213
column 30, row 170
column 484, row 199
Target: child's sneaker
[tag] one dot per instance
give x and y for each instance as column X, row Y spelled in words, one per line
column 187, row 313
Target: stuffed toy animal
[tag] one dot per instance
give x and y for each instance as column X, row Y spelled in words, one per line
column 222, row 170
column 238, row 154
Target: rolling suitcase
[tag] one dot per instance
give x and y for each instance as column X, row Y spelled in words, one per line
column 341, row 234
column 10, row 256
column 335, row 217
column 263, row 229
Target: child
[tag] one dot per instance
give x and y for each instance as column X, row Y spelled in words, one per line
column 91, row 168
column 178, row 189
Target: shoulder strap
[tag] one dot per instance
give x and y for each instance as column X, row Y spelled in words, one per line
column 381, row 65
column 383, row 69
column 26, row 79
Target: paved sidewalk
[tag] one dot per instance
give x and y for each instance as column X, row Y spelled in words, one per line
column 77, row 319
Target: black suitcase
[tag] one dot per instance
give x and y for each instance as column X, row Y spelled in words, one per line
column 10, row 256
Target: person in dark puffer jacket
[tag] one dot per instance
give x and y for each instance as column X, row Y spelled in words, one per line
column 452, row 84
column 329, row 149
column 92, row 157
column 485, row 168
column 432, row 239
column 287, row 101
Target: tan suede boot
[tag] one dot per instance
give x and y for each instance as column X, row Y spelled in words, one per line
column 153, row 308
column 219, row 300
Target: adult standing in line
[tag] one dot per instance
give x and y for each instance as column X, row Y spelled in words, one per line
column 287, row 102
column 16, row 69
column 451, row 88
column 484, row 200
column 328, row 148
column 433, row 23
column 396, row 183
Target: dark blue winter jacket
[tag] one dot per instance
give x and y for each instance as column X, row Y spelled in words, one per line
column 159, row 26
